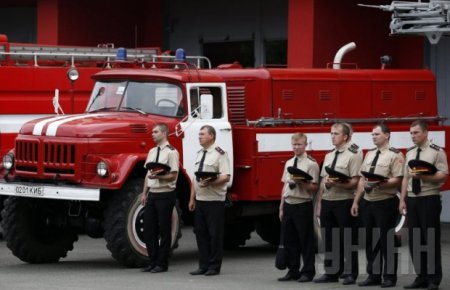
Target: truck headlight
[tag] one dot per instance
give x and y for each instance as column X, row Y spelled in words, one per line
column 73, row 74
column 102, row 169
column 8, row 161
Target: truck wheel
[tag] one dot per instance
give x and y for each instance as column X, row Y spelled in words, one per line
column 2, row 200
column 268, row 228
column 34, row 230
column 237, row 233
column 124, row 226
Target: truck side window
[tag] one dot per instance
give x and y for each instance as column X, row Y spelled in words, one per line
column 216, row 92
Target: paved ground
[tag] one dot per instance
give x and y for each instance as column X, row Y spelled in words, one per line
column 90, row 266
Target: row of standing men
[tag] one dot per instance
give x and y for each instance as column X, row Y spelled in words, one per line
column 339, row 202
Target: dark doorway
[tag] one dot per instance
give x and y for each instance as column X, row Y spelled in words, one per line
column 19, row 23
column 229, row 52
column 276, row 52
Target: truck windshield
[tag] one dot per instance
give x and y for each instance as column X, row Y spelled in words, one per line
column 145, row 97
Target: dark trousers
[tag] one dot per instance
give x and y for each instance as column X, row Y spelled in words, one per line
column 379, row 218
column 341, row 238
column 424, row 227
column 157, row 227
column 208, row 229
column 298, row 228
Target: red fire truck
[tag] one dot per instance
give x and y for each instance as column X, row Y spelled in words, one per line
column 86, row 170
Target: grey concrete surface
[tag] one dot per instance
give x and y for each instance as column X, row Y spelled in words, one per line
column 90, row 266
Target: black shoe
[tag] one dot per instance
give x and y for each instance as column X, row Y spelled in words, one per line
column 148, row 268
column 388, row 284
column 212, row 273
column 159, row 269
column 198, row 272
column 289, row 276
column 417, row 284
column 370, row 281
column 433, row 286
column 349, row 280
column 325, row 278
column 304, row 278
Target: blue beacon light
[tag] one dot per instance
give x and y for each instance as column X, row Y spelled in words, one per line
column 180, row 55
column 121, row 54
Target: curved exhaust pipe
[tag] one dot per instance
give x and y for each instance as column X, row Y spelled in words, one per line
column 340, row 54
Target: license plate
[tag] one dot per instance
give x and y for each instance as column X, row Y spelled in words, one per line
column 29, row 190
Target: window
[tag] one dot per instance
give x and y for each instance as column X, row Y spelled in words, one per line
column 145, row 97
column 198, row 98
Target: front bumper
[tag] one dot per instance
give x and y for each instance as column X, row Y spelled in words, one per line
column 49, row 191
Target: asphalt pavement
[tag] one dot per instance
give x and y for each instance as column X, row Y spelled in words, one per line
column 90, row 266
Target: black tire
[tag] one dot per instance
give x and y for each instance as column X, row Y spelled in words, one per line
column 124, row 226
column 2, row 200
column 237, row 233
column 268, row 228
column 34, row 230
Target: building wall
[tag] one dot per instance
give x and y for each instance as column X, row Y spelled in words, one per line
column 317, row 29
column 193, row 23
column 88, row 23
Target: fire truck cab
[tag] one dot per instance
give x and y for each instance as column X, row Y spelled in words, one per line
column 87, row 170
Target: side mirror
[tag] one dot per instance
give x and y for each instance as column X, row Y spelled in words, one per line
column 206, row 106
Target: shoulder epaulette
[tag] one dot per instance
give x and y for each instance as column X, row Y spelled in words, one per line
column 353, row 148
column 435, row 147
column 170, row 147
column 311, row 158
column 411, row 148
column 218, row 149
column 395, row 150
column 372, row 149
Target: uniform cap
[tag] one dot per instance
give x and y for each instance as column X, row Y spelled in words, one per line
column 420, row 166
column 333, row 174
column 157, row 168
column 298, row 174
column 373, row 176
column 206, row 175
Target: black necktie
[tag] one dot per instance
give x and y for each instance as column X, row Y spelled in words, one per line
column 333, row 165
column 416, row 188
column 200, row 166
column 292, row 185
column 157, row 155
column 374, row 162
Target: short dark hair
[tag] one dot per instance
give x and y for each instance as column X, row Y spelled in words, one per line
column 421, row 123
column 346, row 129
column 163, row 127
column 210, row 130
column 384, row 128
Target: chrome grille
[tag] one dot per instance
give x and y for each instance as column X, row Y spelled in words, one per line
column 27, row 151
column 48, row 157
column 59, row 153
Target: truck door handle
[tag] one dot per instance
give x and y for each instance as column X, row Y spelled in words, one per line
column 225, row 129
